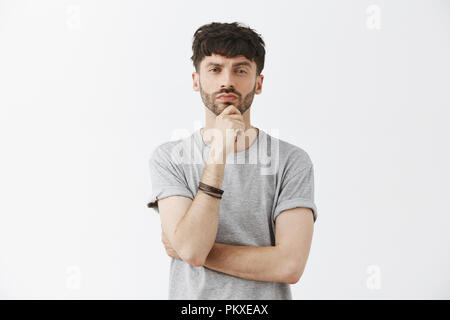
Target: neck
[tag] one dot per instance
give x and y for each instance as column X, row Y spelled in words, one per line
column 251, row 133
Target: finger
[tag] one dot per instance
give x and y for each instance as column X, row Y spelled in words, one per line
column 231, row 110
column 234, row 117
column 172, row 253
column 239, row 121
column 239, row 125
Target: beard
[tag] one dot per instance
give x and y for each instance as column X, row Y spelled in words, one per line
column 217, row 108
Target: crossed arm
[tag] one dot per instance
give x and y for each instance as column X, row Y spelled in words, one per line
column 283, row 262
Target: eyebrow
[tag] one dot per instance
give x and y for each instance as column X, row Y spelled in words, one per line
column 242, row 63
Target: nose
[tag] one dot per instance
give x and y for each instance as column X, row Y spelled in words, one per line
column 227, row 80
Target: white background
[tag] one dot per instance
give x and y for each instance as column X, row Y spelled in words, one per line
column 89, row 88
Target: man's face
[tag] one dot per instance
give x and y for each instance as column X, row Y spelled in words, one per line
column 219, row 75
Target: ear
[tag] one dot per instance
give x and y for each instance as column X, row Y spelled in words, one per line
column 259, row 82
column 195, row 79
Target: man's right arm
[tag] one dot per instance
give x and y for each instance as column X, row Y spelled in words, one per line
column 191, row 225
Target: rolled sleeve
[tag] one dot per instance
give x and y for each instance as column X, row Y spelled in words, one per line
column 167, row 178
column 297, row 190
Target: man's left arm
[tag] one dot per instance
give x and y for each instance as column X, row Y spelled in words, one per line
column 283, row 262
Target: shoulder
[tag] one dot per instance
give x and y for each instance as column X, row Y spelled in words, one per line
column 163, row 149
column 290, row 155
column 171, row 151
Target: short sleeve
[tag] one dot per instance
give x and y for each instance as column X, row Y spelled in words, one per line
column 297, row 190
column 167, row 178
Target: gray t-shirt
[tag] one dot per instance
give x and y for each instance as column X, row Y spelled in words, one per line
column 259, row 183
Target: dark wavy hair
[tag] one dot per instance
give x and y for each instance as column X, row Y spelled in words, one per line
column 229, row 40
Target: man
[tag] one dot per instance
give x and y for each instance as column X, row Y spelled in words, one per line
column 234, row 228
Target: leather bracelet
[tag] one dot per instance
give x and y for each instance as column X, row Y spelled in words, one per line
column 205, row 187
column 212, row 195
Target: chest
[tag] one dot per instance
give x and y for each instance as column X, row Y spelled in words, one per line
column 246, row 206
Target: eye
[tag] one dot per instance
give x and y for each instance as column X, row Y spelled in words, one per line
column 212, row 69
column 243, row 71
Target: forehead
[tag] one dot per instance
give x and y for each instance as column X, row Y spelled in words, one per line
column 222, row 60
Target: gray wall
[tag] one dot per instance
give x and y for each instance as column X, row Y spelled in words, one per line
column 89, row 88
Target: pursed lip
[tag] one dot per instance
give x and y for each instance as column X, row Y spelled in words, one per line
column 227, row 97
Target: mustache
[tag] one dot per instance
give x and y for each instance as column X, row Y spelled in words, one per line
column 228, row 91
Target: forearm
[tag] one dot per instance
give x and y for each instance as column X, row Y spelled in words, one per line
column 250, row 262
column 197, row 230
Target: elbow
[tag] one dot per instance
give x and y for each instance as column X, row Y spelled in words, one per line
column 193, row 258
column 294, row 274
column 192, row 252
column 189, row 255
column 293, row 279
column 194, row 261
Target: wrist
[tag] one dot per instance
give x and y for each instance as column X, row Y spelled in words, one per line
column 217, row 156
